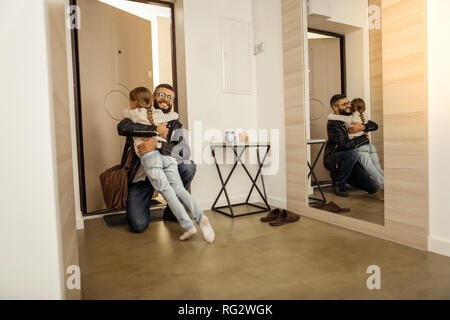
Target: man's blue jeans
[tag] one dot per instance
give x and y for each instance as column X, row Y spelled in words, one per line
column 350, row 171
column 368, row 158
column 140, row 196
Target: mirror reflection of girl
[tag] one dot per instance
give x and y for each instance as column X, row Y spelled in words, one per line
column 367, row 154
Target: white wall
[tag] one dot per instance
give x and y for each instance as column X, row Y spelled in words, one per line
column 349, row 17
column 269, row 87
column 438, row 120
column 206, row 101
column 30, row 241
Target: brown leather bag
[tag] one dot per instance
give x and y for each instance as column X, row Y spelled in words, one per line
column 115, row 184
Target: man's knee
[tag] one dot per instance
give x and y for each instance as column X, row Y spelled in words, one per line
column 373, row 188
column 139, row 226
column 188, row 168
column 349, row 156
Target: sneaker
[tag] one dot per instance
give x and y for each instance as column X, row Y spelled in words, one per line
column 340, row 191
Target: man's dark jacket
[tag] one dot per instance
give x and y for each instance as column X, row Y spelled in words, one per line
column 175, row 145
column 338, row 140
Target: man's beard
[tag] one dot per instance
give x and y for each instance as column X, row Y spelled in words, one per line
column 345, row 113
column 156, row 105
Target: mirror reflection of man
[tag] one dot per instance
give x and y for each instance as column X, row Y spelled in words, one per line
column 341, row 156
column 140, row 190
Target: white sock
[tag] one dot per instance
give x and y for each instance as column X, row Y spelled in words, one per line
column 188, row 234
column 208, row 232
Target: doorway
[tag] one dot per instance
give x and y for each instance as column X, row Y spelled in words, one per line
column 121, row 45
column 327, row 76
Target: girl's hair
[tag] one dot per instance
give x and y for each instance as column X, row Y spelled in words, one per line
column 142, row 96
column 359, row 105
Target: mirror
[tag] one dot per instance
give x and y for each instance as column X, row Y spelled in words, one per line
column 344, row 119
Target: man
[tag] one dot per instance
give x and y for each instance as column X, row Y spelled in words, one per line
column 341, row 156
column 140, row 190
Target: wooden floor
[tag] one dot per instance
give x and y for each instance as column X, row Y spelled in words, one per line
column 363, row 206
column 252, row 260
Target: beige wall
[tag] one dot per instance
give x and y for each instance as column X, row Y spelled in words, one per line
column 269, row 90
column 207, row 101
column 165, row 50
column 439, row 118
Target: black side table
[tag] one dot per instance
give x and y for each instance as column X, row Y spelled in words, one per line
column 238, row 159
column 321, row 142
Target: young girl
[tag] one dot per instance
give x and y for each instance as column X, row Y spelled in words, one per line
column 162, row 171
column 367, row 154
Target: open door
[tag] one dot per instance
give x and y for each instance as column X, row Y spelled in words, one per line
column 324, row 82
column 115, row 55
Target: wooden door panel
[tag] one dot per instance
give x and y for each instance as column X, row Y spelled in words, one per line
column 106, row 77
column 325, row 81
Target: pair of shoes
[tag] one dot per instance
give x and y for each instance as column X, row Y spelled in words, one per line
column 273, row 215
column 279, row 217
column 168, row 215
column 285, row 217
column 340, row 191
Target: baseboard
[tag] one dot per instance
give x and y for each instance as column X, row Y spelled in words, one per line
column 438, row 245
column 206, row 205
column 273, row 201
column 277, row 202
column 79, row 223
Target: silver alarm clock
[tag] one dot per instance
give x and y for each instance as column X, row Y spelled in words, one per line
column 230, row 136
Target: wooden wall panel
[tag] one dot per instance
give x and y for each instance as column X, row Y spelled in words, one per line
column 405, row 110
column 293, row 57
column 61, row 112
column 376, row 84
column 404, row 97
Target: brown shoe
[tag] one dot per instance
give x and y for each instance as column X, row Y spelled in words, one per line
column 330, row 206
column 284, row 218
column 271, row 216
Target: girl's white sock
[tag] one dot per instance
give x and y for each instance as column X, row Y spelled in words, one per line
column 188, row 234
column 208, row 232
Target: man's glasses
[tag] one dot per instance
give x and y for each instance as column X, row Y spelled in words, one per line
column 163, row 95
column 346, row 104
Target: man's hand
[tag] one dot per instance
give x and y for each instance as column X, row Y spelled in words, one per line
column 148, row 145
column 162, row 130
column 356, row 127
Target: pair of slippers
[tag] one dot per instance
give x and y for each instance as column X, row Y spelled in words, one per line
column 278, row 217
